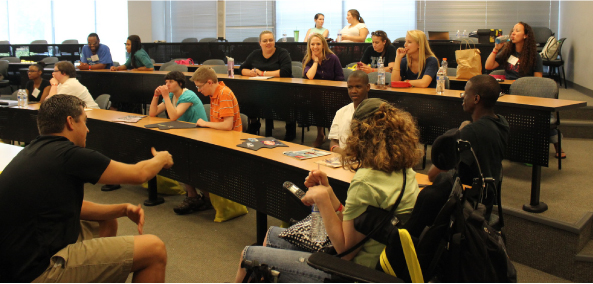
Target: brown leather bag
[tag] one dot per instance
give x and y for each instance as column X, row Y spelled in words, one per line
column 469, row 61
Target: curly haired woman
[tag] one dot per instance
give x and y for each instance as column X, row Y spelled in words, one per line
column 519, row 56
column 383, row 145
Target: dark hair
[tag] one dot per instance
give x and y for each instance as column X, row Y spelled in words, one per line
column 356, row 15
column 317, row 17
column 40, row 65
column 136, row 45
column 528, row 53
column 66, row 68
column 177, row 77
column 94, row 35
column 383, row 36
column 54, row 112
column 488, row 89
column 360, row 74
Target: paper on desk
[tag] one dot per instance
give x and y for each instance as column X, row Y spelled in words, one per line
column 129, row 118
column 261, row 77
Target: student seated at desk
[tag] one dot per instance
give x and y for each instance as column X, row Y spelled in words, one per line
column 318, row 29
column 321, row 63
column 382, row 148
column 415, row 63
column 269, row 61
column 49, row 233
column 37, row 87
column 357, row 31
column 488, row 134
column 358, row 90
column 138, row 59
column 64, row 82
column 183, row 105
column 95, row 55
column 381, row 48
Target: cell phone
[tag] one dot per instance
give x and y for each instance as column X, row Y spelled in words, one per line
column 295, row 190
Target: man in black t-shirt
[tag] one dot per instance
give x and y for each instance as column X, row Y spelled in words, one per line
column 44, row 236
column 488, row 132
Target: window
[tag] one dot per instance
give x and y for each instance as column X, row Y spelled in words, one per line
column 248, row 18
column 185, row 19
column 291, row 16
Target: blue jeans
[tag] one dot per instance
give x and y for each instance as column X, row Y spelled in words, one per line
column 286, row 258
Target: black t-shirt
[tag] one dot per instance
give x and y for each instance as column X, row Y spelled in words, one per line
column 488, row 137
column 41, row 193
column 31, row 84
column 370, row 56
column 512, row 72
column 279, row 60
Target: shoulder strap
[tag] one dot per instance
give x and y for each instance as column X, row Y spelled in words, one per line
column 382, row 224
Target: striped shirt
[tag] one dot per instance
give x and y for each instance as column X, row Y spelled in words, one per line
column 223, row 103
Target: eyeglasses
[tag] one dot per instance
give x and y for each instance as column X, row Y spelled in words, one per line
column 201, row 87
column 378, row 33
column 55, row 71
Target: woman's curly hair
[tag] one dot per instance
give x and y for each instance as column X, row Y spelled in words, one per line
column 387, row 140
column 528, row 53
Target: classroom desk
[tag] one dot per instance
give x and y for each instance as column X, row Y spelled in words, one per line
column 315, row 102
column 206, row 158
column 191, row 68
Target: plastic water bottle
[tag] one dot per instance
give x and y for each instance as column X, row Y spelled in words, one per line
column 25, row 98
column 441, row 81
column 318, row 233
column 458, row 35
column 339, row 38
column 501, row 39
column 445, row 65
column 465, row 34
column 380, row 73
column 284, row 36
column 230, row 67
column 19, row 99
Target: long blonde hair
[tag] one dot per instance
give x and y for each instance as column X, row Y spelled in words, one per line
column 324, row 53
column 424, row 51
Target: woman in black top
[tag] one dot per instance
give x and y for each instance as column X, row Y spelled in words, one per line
column 269, row 61
column 37, row 87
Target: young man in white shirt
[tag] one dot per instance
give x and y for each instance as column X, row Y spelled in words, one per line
column 358, row 90
column 64, row 82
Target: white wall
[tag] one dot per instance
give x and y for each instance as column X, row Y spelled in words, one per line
column 575, row 25
column 140, row 19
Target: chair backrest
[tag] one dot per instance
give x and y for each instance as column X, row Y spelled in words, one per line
column 451, row 71
column 39, row 41
column 219, row 69
column 251, row 39
column 39, row 49
column 50, row 60
column 497, row 72
column 542, row 34
column 70, row 41
column 11, row 59
column 4, row 42
column 297, row 72
column 14, row 96
column 4, row 68
column 207, row 109
column 175, row 67
column 190, row 39
column 351, row 64
column 152, row 60
column 347, row 72
column 561, row 43
column 213, row 62
column 208, row 39
column 288, row 39
column 165, row 65
column 116, row 63
column 244, row 122
column 400, row 39
column 297, row 63
column 103, row 101
column 535, row 87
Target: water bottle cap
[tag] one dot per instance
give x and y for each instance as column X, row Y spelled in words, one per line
column 444, row 59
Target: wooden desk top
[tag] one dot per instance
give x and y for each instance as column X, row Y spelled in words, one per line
column 505, row 82
column 555, row 104
column 230, row 140
column 194, row 66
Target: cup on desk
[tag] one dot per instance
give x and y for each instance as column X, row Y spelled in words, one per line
column 296, row 35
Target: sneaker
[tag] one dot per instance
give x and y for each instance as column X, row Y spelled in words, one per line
column 110, row 187
column 189, row 204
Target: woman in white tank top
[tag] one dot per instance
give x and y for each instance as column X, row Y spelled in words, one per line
column 357, row 31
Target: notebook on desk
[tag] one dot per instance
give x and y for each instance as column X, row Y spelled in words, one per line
column 172, row 125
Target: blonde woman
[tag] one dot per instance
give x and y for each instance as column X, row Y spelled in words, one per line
column 357, row 31
column 318, row 29
column 416, row 62
column 321, row 63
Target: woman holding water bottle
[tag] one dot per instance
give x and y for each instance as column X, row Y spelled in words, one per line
column 415, row 63
column 518, row 55
column 357, row 31
column 318, row 29
column 384, row 145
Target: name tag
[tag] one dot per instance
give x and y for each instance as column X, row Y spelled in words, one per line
column 95, row 57
column 35, row 92
column 513, row 60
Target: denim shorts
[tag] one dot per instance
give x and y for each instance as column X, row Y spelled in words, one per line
column 286, row 258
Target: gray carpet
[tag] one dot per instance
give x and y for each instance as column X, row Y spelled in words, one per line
column 200, row 250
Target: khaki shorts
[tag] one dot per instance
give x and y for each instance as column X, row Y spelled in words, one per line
column 91, row 259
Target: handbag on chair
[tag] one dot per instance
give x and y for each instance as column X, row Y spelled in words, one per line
column 469, row 61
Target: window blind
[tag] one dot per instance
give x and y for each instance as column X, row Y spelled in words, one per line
column 248, row 19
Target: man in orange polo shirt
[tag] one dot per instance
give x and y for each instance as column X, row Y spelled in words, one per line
column 224, row 108
column 224, row 115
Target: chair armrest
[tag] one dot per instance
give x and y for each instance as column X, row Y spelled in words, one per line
column 348, row 269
